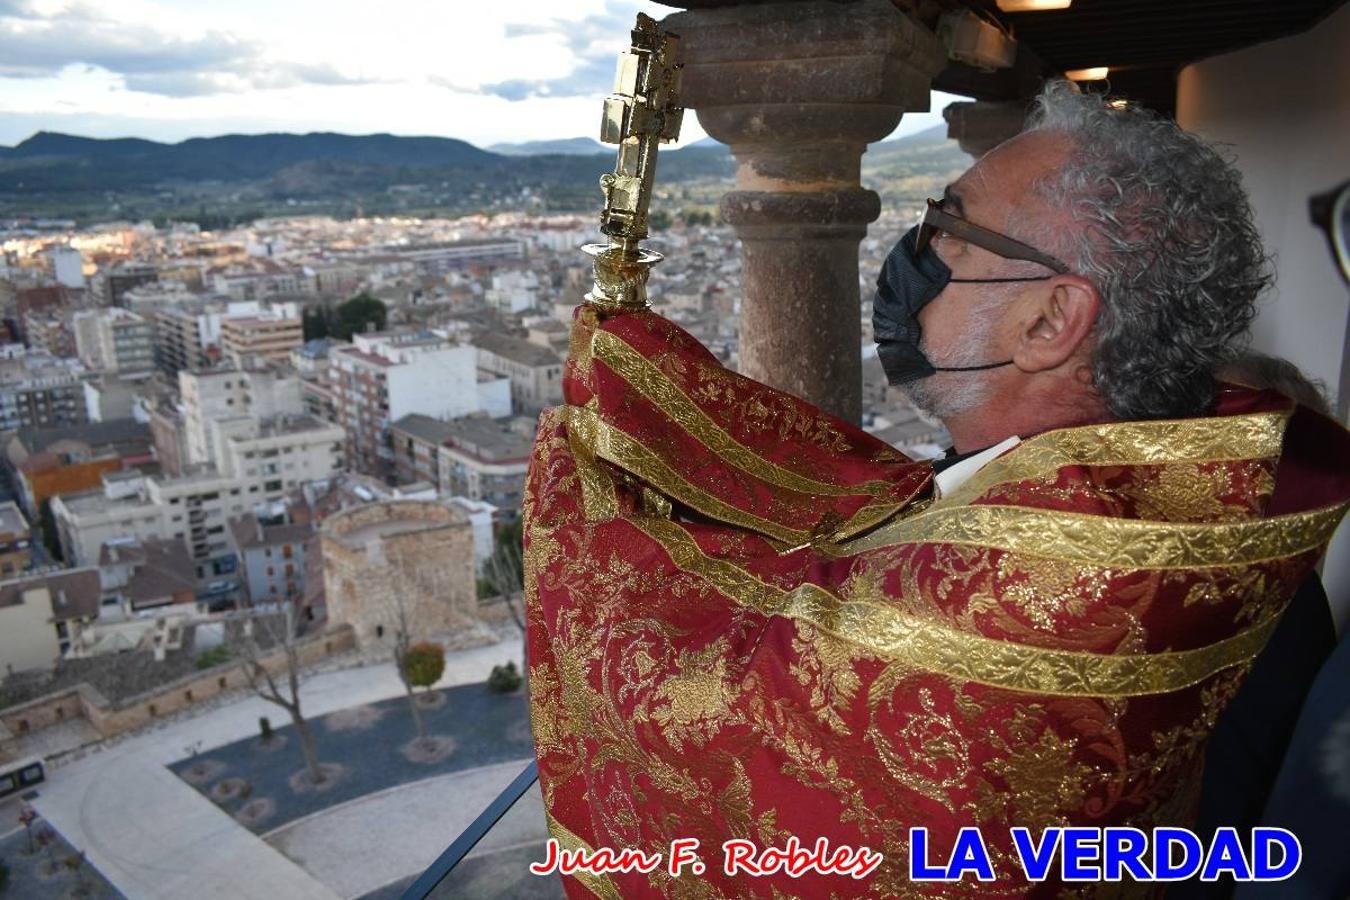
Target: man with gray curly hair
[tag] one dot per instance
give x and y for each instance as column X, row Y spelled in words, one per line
column 752, row 620
column 1102, row 264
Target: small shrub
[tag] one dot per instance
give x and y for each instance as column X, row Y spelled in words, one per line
column 265, row 728
column 424, row 663
column 504, row 679
column 215, row 656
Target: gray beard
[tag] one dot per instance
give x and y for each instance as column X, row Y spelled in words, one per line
column 947, row 394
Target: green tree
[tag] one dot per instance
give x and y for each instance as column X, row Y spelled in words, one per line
column 356, row 313
column 424, row 663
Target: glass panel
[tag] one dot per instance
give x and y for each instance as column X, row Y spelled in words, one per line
column 498, row 865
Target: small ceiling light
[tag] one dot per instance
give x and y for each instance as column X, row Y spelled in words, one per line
column 1032, row 5
column 1097, row 73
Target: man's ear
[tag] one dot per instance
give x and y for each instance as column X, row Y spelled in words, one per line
column 1056, row 323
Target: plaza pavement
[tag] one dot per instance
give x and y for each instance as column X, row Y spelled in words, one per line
column 153, row 836
column 367, row 843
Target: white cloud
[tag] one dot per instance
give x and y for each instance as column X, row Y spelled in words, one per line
column 512, row 70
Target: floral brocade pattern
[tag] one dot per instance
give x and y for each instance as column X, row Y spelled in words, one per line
column 697, row 672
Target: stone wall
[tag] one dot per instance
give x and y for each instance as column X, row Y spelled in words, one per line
column 406, row 559
column 111, row 719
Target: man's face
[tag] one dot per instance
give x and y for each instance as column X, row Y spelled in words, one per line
column 973, row 324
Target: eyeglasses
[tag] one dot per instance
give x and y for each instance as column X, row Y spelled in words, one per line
column 935, row 220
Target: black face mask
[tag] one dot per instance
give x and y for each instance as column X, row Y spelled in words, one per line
column 906, row 285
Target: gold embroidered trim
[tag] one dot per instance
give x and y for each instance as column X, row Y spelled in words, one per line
column 1253, row 436
column 613, row 445
column 1111, row 542
column 599, row 885
column 933, row 647
column 598, row 499
column 652, row 383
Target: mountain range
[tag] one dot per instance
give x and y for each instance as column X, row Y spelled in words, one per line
column 50, row 171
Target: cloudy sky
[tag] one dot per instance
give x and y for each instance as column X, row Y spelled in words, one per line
column 506, row 70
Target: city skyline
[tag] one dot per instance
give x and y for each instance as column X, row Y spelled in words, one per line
column 168, row 71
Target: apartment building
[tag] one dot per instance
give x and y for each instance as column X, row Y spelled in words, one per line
column 259, row 392
column 535, row 370
column 182, row 340
column 122, row 278
column 38, row 390
column 49, row 331
column 253, row 462
column 115, row 340
column 271, row 334
column 271, row 553
column 383, row 377
column 486, row 459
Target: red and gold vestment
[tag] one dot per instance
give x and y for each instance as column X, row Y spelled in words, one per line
column 750, row 619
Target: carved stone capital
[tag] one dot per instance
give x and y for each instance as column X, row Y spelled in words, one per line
column 980, row 126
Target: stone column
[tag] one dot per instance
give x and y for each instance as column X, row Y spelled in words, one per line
column 798, row 90
column 980, row 126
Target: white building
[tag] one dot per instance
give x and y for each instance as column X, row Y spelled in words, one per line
column 256, row 461
column 513, row 291
column 383, row 377
column 225, row 394
column 67, row 266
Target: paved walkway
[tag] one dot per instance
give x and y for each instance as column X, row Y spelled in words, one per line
column 152, row 836
column 348, row 847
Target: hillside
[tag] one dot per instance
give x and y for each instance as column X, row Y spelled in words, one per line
column 234, row 176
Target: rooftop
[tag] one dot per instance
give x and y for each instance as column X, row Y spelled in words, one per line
column 162, row 570
column 492, row 440
column 249, row 533
column 517, row 350
column 95, row 434
column 424, row 428
column 75, row 593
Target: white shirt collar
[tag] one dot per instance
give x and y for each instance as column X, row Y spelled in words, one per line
column 952, row 477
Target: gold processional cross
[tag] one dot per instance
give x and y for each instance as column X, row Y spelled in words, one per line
column 642, row 112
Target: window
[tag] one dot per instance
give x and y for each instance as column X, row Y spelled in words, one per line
column 287, row 551
column 270, row 571
column 272, row 486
